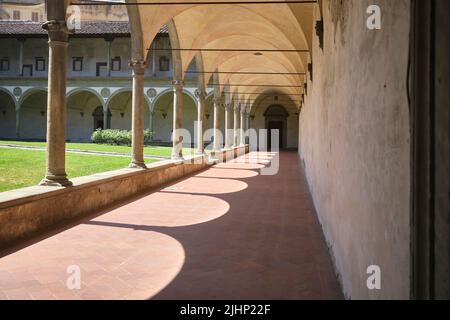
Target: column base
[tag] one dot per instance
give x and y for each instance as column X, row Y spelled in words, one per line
column 200, row 153
column 213, row 158
column 56, row 182
column 135, row 165
column 177, row 158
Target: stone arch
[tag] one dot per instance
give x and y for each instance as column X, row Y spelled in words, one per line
column 201, row 79
column 33, row 114
column 177, row 63
column 79, row 90
column 81, row 103
column 113, row 95
column 163, row 114
column 7, row 115
column 29, row 92
column 120, row 106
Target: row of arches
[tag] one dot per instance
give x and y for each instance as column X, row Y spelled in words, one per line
column 86, row 113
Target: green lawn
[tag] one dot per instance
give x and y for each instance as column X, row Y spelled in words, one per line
column 24, row 168
column 148, row 151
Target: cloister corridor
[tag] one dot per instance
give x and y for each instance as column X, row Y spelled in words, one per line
column 227, row 232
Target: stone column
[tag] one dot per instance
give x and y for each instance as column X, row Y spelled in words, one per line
column 177, row 135
column 201, row 97
column 242, row 130
column 17, row 109
column 105, row 117
column 56, row 105
column 137, row 117
column 247, row 124
column 236, row 124
column 228, row 126
column 217, row 140
column 150, row 120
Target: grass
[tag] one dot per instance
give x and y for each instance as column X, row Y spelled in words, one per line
column 148, row 151
column 24, row 168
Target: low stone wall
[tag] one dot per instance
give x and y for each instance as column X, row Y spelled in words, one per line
column 29, row 211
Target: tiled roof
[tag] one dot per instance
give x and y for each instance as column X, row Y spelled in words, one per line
column 22, row 2
column 88, row 28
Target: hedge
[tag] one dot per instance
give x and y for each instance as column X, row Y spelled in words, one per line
column 117, row 137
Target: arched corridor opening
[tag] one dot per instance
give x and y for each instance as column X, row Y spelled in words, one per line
column 119, row 105
column 84, row 115
column 7, row 115
column 163, row 117
column 33, row 115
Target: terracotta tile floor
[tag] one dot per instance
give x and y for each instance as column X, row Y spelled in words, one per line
column 225, row 233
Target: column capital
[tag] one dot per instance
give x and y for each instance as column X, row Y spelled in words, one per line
column 57, row 31
column 138, row 66
column 178, row 85
column 217, row 101
column 200, row 94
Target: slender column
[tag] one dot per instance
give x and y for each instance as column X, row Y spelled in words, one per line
column 137, row 126
column 217, row 140
column 242, row 130
column 247, row 123
column 177, row 150
column 227, row 126
column 236, row 124
column 150, row 123
column 153, row 56
column 56, row 105
column 105, row 117
column 201, row 97
column 17, row 123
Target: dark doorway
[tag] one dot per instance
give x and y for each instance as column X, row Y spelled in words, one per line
column 99, row 119
column 98, row 124
column 275, row 125
column 276, row 119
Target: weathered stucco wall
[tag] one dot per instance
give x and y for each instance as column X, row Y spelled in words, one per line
column 355, row 143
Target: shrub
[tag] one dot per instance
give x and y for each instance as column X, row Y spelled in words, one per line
column 148, row 136
column 117, row 137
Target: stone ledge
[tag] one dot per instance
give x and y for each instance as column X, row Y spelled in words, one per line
column 28, row 211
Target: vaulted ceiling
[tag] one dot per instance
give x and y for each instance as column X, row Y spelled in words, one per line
column 282, row 26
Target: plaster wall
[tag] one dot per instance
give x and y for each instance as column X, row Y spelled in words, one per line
column 355, row 144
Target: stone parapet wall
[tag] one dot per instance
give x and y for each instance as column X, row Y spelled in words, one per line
column 28, row 212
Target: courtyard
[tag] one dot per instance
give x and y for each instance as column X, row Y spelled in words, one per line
column 23, row 163
column 318, row 161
